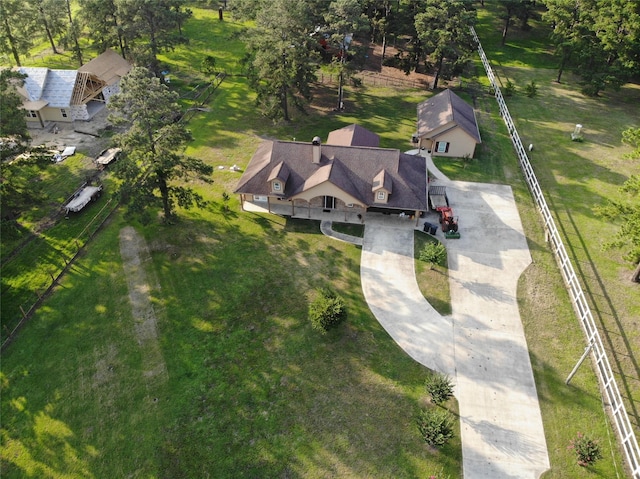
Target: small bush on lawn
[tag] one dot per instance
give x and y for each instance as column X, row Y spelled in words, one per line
column 531, row 89
column 327, row 310
column 439, row 387
column 433, row 253
column 509, row 89
column 436, row 426
column 587, row 450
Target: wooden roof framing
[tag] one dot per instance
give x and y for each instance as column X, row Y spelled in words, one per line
column 87, row 88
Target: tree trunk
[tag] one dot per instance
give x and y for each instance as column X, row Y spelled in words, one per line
column 505, row 30
column 340, row 81
column 164, row 193
column 120, row 39
column 636, row 274
column 435, row 80
column 283, row 102
column 563, row 62
column 384, row 48
column 341, row 78
column 46, row 28
column 12, row 42
column 78, row 52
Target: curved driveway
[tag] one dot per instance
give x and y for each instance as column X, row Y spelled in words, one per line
column 482, row 345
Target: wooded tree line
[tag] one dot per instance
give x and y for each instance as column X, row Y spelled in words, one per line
column 138, row 29
column 598, row 39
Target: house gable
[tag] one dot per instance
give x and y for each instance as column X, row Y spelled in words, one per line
column 327, row 188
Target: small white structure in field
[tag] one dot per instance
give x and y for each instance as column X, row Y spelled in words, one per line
column 577, row 133
column 530, row 146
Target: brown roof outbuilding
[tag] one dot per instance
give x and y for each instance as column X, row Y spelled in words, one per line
column 446, row 108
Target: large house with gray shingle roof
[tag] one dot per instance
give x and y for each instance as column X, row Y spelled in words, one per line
column 352, row 174
column 447, row 126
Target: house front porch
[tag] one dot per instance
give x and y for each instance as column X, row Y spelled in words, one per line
column 350, row 215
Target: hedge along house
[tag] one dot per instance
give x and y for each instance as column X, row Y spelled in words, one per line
column 353, row 175
column 69, row 95
column 447, row 126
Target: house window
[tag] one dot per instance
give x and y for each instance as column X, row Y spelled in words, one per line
column 381, row 195
column 442, row 146
column 277, row 186
column 63, row 112
column 32, row 114
column 329, row 202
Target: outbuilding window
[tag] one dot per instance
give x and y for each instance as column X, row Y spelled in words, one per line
column 32, row 114
column 381, row 195
column 63, row 112
column 442, row 146
column 277, row 186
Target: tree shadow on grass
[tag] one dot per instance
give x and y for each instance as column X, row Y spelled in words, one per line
column 283, row 399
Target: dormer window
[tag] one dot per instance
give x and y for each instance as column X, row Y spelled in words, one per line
column 381, row 195
column 278, row 178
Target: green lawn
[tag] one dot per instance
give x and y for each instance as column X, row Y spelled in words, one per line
column 251, row 389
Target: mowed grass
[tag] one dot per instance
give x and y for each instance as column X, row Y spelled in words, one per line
column 251, row 389
column 575, row 178
column 432, row 280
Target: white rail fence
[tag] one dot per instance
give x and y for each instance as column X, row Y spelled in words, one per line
column 603, row 368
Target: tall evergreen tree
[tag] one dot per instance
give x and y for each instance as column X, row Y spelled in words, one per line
column 50, row 18
column 281, row 64
column 17, row 26
column 150, row 27
column 515, row 9
column 569, row 29
column 153, row 167
column 103, row 21
column 444, row 30
column 600, row 39
column 14, row 123
column 344, row 19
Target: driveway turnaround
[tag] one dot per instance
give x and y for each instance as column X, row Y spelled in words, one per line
column 482, row 345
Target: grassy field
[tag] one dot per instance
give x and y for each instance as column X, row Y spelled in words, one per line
column 251, row 390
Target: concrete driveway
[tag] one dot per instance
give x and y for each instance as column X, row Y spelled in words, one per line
column 482, row 345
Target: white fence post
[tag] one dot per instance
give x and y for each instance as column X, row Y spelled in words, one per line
column 603, row 369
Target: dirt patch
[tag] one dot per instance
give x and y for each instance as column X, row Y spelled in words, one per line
column 85, row 135
column 373, row 65
column 135, row 253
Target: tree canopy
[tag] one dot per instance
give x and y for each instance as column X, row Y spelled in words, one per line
column 153, row 168
column 17, row 28
column 13, row 124
column 281, row 63
column 443, row 28
column 600, row 39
